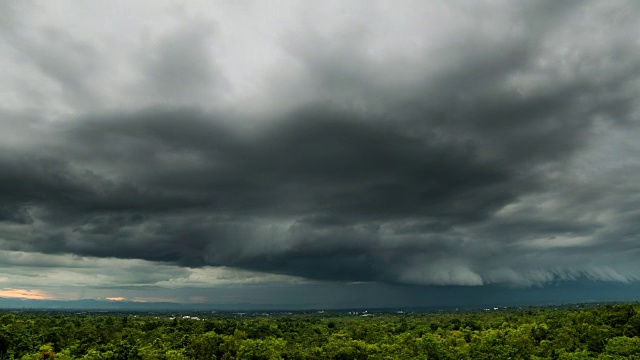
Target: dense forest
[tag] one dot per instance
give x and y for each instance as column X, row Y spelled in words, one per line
column 577, row 332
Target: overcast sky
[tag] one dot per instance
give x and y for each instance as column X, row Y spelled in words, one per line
column 317, row 152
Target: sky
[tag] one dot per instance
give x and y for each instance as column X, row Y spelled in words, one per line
column 319, row 153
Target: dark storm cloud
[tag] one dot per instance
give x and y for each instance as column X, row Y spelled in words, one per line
column 456, row 166
column 360, row 195
column 315, row 164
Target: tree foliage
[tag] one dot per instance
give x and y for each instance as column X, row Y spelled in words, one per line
column 583, row 332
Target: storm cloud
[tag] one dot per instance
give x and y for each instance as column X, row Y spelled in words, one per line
column 424, row 144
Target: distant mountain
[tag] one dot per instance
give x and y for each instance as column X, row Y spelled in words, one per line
column 97, row 305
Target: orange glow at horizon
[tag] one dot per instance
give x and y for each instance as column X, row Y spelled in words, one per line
column 116, row 298
column 24, row 294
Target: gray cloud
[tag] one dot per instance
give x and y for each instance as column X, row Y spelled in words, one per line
column 61, row 63
column 489, row 153
column 179, row 68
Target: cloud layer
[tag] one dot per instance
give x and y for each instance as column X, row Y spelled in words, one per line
column 426, row 144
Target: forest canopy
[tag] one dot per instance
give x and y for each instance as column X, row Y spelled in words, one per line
column 577, row 332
